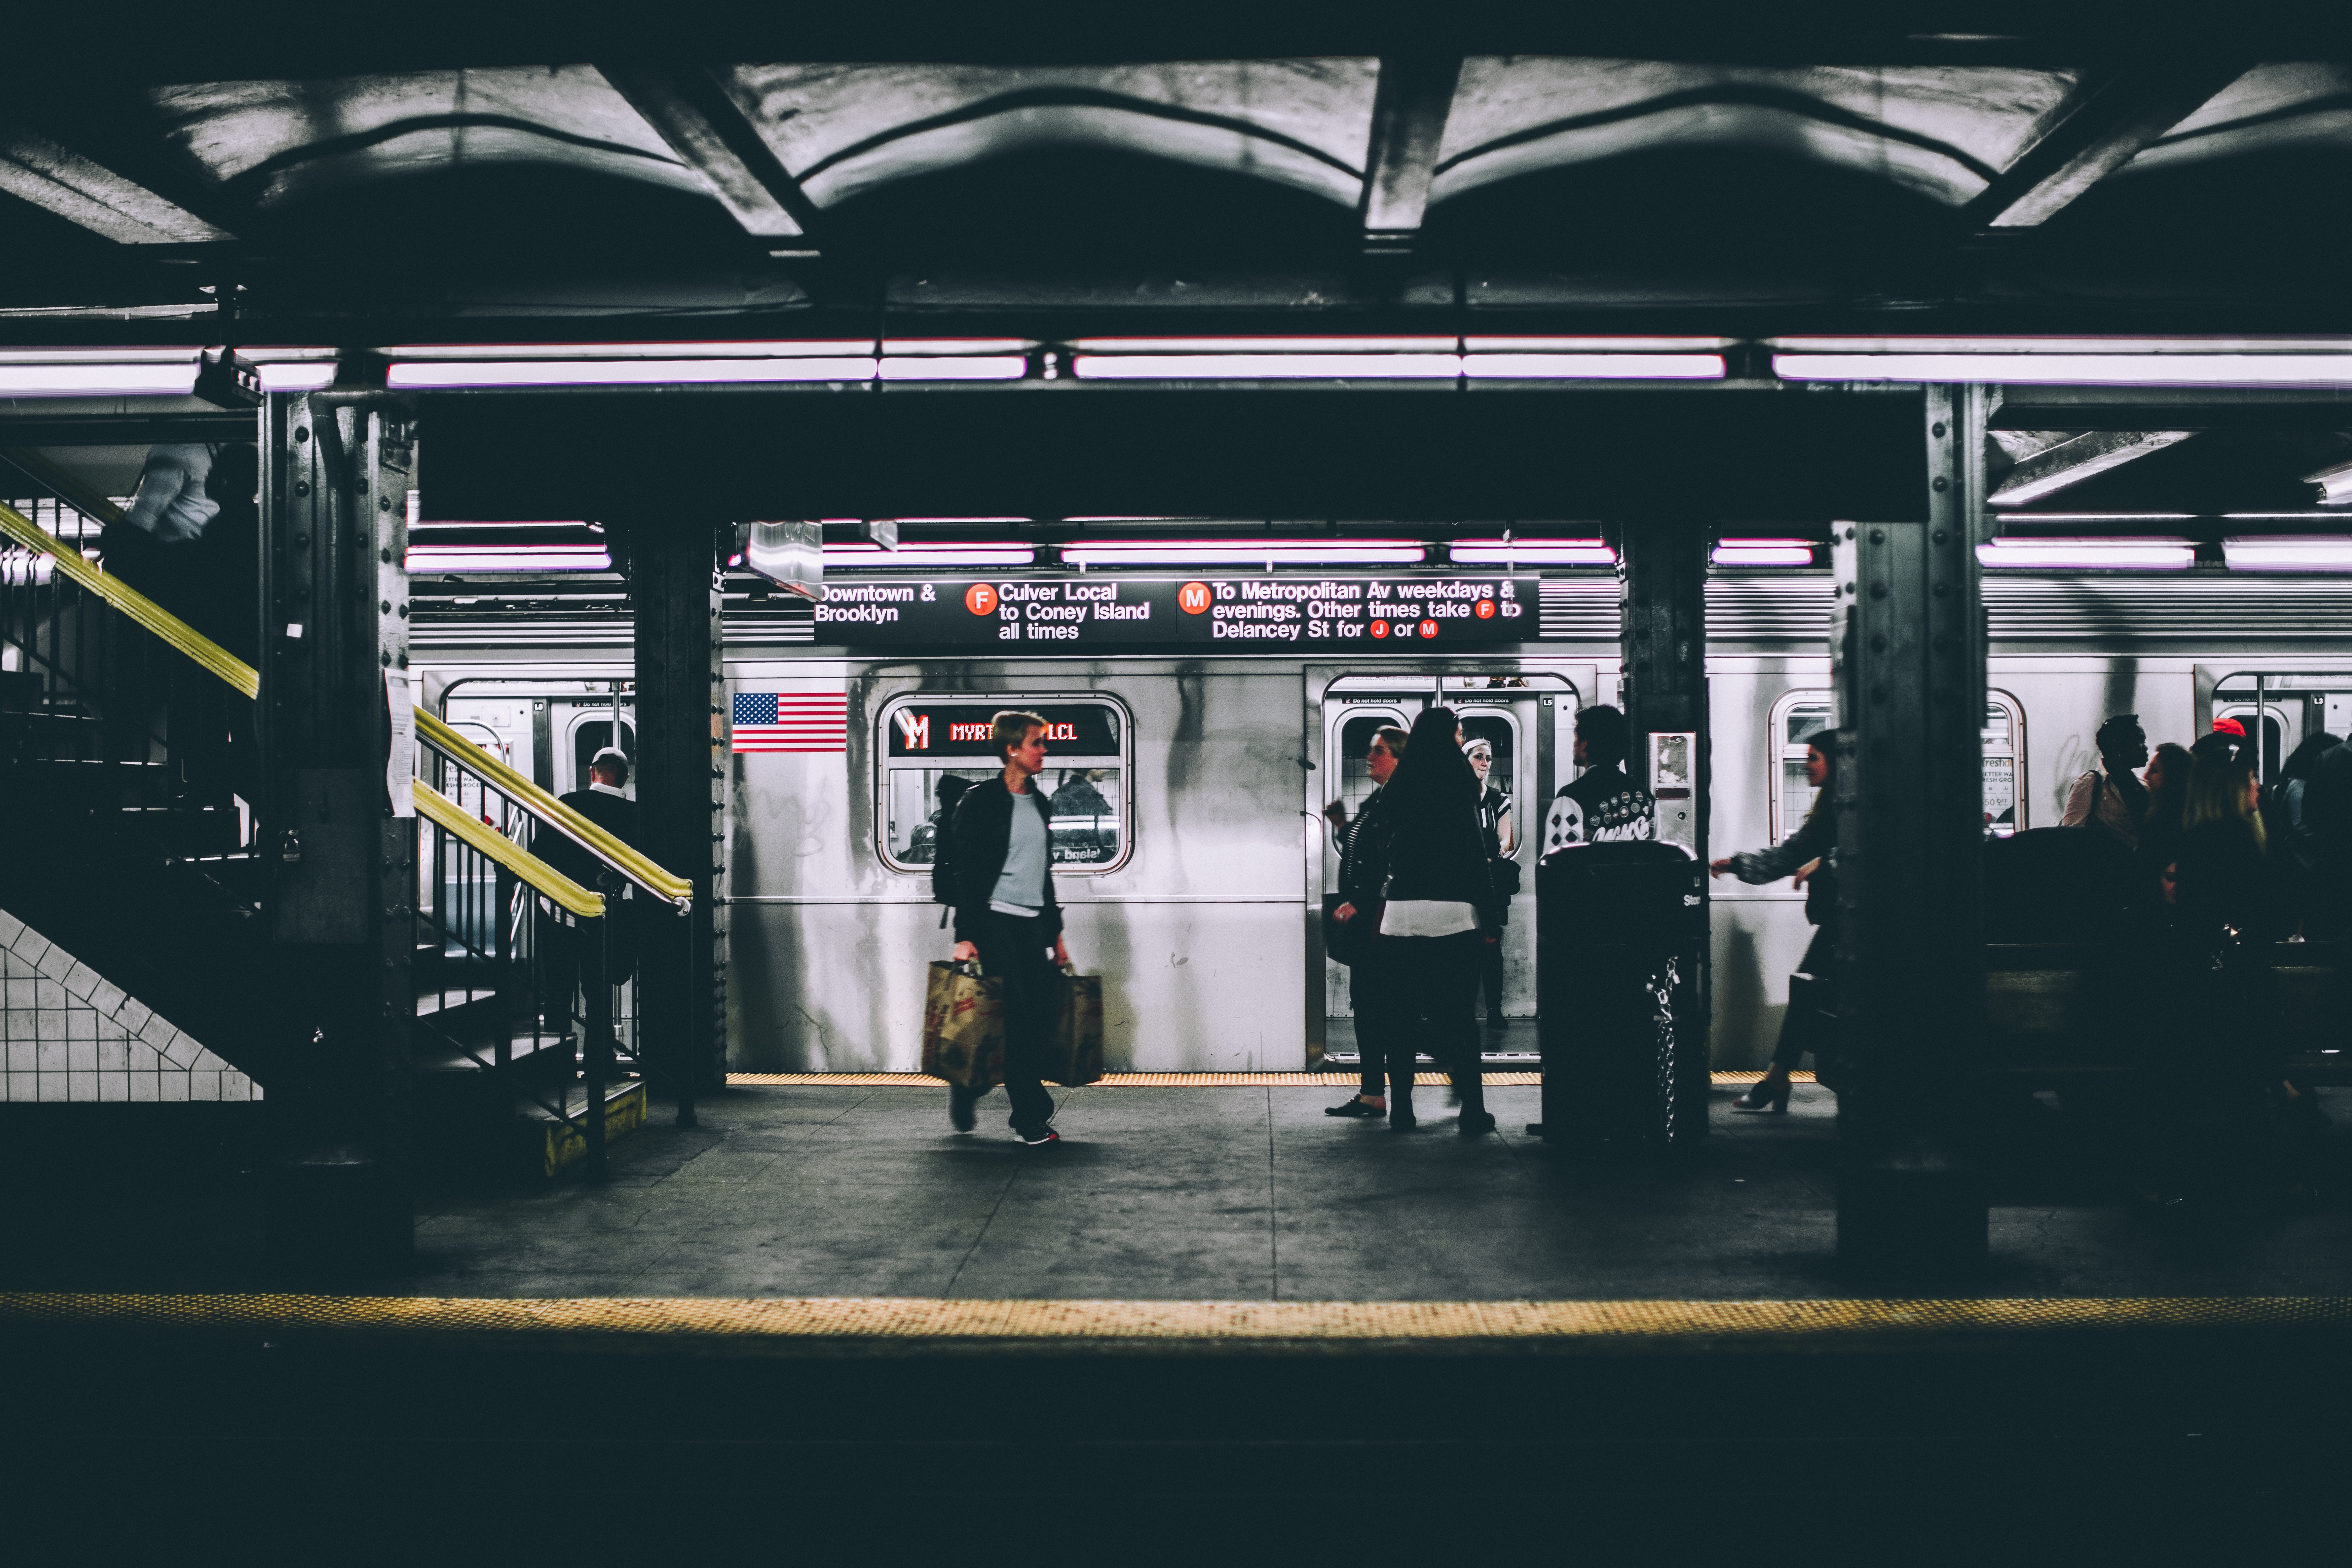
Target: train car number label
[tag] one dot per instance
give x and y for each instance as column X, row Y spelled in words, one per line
column 1261, row 611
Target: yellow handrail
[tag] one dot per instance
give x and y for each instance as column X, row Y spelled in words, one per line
column 207, row 654
column 210, row 655
column 448, row 815
column 629, row 862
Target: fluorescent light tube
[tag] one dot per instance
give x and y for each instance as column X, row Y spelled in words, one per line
column 1593, row 367
column 2075, row 370
column 1233, row 553
column 1594, row 345
column 1531, row 553
column 1267, row 367
column 2062, row 555
column 2019, row 345
column 956, row 346
column 831, row 348
column 109, row 380
column 1417, row 343
column 306, row 375
column 849, row 557
column 2289, row 553
column 624, row 372
column 459, row 558
column 978, row 367
column 1763, row 552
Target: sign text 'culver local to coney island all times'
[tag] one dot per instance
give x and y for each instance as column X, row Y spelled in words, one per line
column 1244, row 610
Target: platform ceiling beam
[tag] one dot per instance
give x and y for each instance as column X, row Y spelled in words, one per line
column 1410, row 107
column 2070, row 462
column 56, row 179
column 690, row 111
column 2098, row 129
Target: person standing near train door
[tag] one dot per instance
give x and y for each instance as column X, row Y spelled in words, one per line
column 996, row 866
column 1383, row 1049
column 1601, row 804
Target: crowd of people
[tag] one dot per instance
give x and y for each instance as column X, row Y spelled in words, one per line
column 2189, row 865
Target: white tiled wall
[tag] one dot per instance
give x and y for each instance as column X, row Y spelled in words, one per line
column 70, row 1035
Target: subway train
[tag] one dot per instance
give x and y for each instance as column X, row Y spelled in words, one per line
column 1189, row 840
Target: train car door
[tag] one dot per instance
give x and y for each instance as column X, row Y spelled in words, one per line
column 1526, row 717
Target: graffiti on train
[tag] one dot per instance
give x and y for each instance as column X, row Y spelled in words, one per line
column 1264, row 610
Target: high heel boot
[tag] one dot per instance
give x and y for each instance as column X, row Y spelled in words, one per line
column 1755, row 1099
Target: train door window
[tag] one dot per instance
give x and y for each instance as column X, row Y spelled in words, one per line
column 2004, row 765
column 1500, row 732
column 931, row 749
column 1797, row 718
column 591, row 736
column 1356, row 731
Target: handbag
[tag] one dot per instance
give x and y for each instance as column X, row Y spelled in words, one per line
column 1506, row 872
column 1344, row 940
column 963, row 1026
column 1075, row 1050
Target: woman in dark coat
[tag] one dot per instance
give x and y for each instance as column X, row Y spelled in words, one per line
column 1813, row 845
column 1431, row 858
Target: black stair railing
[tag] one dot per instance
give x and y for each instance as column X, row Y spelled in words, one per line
column 98, row 684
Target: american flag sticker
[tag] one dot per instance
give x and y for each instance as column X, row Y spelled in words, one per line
column 791, row 722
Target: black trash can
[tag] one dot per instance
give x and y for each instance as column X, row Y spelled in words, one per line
column 1621, row 936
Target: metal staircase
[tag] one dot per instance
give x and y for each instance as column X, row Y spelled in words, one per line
column 126, row 748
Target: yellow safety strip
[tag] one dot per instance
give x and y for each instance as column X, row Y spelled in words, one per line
column 821, row 1323
column 142, row 610
column 628, row 862
column 448, row 815
column 1177, row 1079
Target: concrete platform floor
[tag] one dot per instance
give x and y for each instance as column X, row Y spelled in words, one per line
column 1201, row 1194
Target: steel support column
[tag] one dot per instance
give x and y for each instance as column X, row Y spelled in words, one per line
column 337, row 470
column 1662, row 608
column 682, row 800
column 1908, row 642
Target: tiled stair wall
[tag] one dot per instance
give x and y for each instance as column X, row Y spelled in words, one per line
column 71, row 1035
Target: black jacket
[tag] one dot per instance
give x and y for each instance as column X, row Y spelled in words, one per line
column 1430, row 851
column 1362, row 834
column 616, row 814
column 972, row 855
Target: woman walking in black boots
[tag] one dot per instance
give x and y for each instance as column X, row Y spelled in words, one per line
column 1431, row 856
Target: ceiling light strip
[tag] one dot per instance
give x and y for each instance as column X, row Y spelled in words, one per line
column 2073, row 370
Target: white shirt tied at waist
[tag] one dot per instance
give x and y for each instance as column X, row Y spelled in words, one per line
column 1427, row 917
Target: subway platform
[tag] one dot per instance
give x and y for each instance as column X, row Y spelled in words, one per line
column 1164, row 1190
column 1212, row 1309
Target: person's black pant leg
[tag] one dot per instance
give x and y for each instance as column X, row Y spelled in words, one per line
column 1490, row 977
column 1373, row 1021
column 1016, row 952
column 1450, row 1004
column 1797, row 1031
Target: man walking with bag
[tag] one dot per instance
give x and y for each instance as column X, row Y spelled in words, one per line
column 995, row 868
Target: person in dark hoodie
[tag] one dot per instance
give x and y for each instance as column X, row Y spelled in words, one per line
column 1431, row 857
column 995, row 869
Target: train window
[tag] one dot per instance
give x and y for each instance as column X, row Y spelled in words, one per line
column 1801, row 715
column 1356, row 732
column 1796, row 720
column 2004, row 764
column 931, row 749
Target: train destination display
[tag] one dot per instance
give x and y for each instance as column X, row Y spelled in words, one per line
column 1241, row 612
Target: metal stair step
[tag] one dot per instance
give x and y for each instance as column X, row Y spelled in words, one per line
column 558, row 1144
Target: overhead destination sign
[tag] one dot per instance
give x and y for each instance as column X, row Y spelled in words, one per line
column 1240, row 612
column 955, row 731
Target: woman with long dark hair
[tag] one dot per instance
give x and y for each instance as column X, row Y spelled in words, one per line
column 1432, row 859
column 1805, row 855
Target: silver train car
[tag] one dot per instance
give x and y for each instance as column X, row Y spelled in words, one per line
column 1191, row 853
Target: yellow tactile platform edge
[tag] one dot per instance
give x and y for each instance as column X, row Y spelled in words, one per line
column 1168, row 1080
column 850, row 1320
